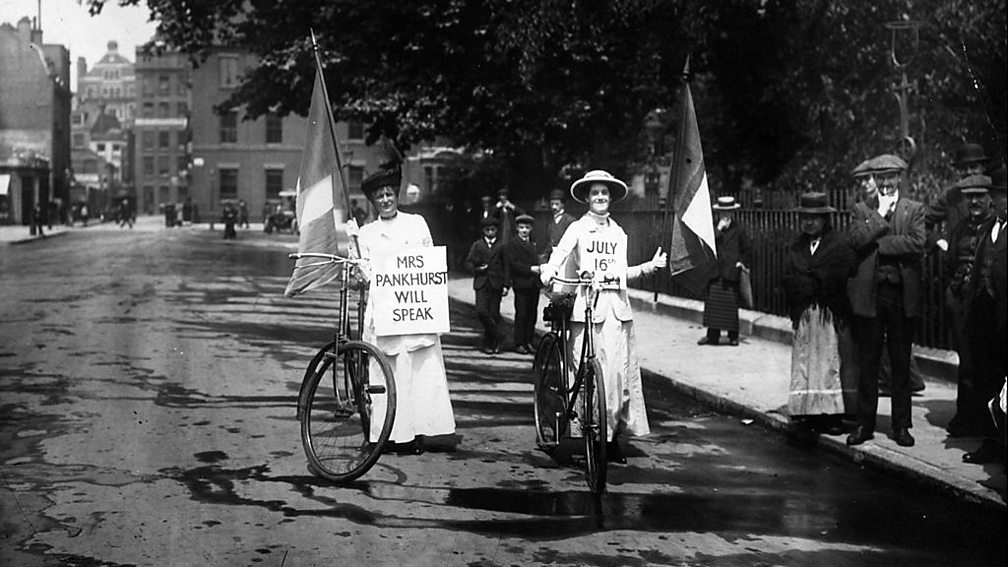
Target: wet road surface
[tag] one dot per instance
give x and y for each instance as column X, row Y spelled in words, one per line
column 148, row 383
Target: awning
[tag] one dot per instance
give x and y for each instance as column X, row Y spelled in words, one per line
column 4, row 183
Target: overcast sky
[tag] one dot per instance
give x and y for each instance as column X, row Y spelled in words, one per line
column 67, row 22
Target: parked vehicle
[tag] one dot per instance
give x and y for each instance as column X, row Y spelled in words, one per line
column 282, row 216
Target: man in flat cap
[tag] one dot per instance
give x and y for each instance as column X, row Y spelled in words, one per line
column 963, row 241
column 986, row 297
column 950, row 208
column 887, row 231
column 521, row 275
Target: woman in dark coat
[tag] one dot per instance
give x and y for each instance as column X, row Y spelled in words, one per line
column 721, row 303
column 816, row 270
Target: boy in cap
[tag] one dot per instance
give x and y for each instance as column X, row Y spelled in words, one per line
column 485, row 260
column 521, row 274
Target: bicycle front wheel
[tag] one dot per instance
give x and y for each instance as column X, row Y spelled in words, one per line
column 550, row 418
column 347, row 408
column 594, row 426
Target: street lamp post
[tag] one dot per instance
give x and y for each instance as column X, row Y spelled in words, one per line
column 903, row 45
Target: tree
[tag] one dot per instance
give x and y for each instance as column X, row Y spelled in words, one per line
column 790, row 92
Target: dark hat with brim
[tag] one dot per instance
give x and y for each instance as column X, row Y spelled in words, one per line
column 998, row 180
column 489, row 221
column 969, row 154
column 579, row 189
column 524, row 219
column 974, row 184
column 725, row 203
column 814, row 203
column 385, row 178
column 557, row 194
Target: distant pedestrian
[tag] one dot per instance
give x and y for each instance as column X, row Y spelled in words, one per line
column 229, row 217
column 506, row 212
column 358, row 213
column 84, row 214
column 125, row 216
column 521, row 274
column 816, row 270
column 987, row 321
column 959, row 258
column 721, row 303
column 887, row 231
column 486, row 261
column 187, row 210
column 243, row 214
column 559, row 222
column 38, row 219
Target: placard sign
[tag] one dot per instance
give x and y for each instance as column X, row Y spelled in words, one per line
column 605, row 256
column 409, row 292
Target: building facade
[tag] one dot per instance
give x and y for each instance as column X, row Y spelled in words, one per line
column 34, row 124
column 161, row 134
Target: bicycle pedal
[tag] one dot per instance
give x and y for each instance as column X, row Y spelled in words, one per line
column 376, row 389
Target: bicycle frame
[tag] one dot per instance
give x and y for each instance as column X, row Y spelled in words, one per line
column 587, row 348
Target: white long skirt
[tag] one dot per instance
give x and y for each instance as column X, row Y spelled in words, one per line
column 616, row 350
column 423, row 406
column 816, row 388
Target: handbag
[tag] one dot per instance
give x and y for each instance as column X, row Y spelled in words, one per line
column 745, row 288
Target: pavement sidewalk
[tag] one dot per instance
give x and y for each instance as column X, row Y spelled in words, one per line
column 752, row 380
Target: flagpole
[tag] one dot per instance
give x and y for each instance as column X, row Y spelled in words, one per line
column 332, row 131
column 674, row 169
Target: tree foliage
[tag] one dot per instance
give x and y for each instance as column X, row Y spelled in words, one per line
column 791, row 93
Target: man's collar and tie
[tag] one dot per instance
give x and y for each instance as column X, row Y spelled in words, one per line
column 996, row 229
column 814, row 245
column 489, row 241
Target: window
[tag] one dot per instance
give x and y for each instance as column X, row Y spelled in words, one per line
column 274, row 183
column 228, row 71
column 148, row 165
column 146, row 87
column 164, row 110
column 162, row 165
column 115, row 148
column 164, row 139
column 148, row 139
column 164, row 85
column 100, row 147
column 183, row 109
column 229, row 127
column 148, row 110
column 78, row 140
column 182, row 163
column 228, row 183
column 355, row 130
column 355, row 175
column 274, row 129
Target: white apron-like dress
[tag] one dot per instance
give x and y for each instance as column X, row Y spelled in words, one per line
column 423, row 405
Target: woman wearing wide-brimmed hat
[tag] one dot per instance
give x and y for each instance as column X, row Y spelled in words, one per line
column 597, row 244
column 721, row 303
column 816, row 269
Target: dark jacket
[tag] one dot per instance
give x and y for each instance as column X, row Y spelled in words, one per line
column 990, row 272
column 493, row 258
column 555, row 230
column 901, row 239
column 733, row 246
column 519, row 257
column 963, row 240
column 821, row 278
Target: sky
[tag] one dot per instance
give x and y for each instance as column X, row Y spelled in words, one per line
column 67, row 22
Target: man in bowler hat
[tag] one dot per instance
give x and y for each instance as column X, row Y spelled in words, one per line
column 887, row 231
column 486, row 261
column 559, row 222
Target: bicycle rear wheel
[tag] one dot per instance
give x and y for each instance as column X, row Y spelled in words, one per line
column 550, row 418
column 594, row 427
column 346, row 409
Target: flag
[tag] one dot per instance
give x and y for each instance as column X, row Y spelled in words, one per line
column 692, row 253
column 318, row 186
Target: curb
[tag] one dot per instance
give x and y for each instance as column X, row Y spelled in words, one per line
column 934, row 363
column 30, row 238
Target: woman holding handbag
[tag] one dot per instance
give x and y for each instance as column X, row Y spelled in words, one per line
column 721, row 303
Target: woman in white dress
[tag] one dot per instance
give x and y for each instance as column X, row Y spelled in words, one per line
column 596, row 243
column 423, row 406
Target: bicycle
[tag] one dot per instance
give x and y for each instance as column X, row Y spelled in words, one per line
column 558, row 403
column 338, row 426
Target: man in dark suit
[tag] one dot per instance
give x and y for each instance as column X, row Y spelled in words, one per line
column 950, row 207
column 521, row 274
column 887, row 231
column 987, row 320
column 486, row 261
column 557, row 226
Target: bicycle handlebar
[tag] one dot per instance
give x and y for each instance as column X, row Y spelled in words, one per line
column 329, row 258
column 586, row 278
